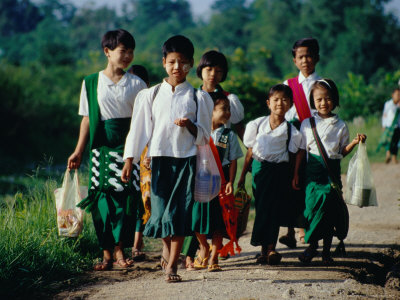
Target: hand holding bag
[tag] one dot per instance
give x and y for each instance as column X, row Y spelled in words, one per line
column 360, row 188
column 69, row 217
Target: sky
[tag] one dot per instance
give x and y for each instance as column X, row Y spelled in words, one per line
column 200, row 7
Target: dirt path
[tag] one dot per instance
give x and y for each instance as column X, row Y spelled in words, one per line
column 361, row 274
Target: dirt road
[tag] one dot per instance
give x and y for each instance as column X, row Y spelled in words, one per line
column 363, row 273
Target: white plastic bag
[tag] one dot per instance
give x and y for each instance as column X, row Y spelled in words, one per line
column 360, row 189
column 208, row 179
column 69, row 217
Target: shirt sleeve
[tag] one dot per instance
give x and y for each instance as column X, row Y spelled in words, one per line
column 141, row 126
column 235, row 151
column 237, row 110
column 344, row 138
column 83, row 102
column 305, row 125
column 250, row 134
column 295, row 140
column 385, row 119
column 205, row 107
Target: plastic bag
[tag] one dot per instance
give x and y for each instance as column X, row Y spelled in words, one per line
column 208, row 179
column 69, row 217
column 360, row 189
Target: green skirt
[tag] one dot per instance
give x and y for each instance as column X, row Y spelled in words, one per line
column 324, row 207
column 172, row 190
column 271, row 191
column 116, row 207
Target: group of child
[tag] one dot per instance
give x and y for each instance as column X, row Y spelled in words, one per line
column 294, row 154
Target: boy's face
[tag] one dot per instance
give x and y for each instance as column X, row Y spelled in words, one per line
column 221, row 112
column 305, row 61
column 212, row 75
column 120, row 57
column 396, row 97
column 279, row 103
column 177, row 67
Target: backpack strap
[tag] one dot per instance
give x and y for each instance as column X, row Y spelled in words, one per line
column 95, row 128
column 289, row 134
column 222, row 143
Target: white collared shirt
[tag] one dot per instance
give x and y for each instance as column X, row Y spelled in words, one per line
column 268, row 144
column 237, row 110
column 333, row 133
column 389, row 112
column 306, row 83
column 115, row 100
column 153, row 123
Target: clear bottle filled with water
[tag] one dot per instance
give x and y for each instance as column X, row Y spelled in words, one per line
column 203, row 182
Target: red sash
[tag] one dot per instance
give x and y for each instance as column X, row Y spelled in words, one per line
column 299, row 99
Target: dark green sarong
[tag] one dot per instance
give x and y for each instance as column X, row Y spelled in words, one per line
column 323, row 205
column 271, row 190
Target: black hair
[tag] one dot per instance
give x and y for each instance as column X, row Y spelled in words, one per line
column 212, row 59
column 328, row 85
column 310, row 43
column 141, row 72
column 113, row 38
column 396, row 89
column 281, row 88
column 180, row 44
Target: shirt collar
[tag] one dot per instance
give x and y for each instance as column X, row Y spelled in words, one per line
column 122, row 82
column 331, row 120
column 180, row 87
column 313, row 77
column 280, row 128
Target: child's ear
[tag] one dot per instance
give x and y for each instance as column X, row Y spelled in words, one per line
column 267, row 101
column 164, row 62
column 106, row 51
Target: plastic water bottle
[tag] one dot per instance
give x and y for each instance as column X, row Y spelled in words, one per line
column 203, row 183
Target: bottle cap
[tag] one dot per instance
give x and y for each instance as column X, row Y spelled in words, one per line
column 204, row 161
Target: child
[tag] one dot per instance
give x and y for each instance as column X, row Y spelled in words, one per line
column 390, row 124
column 171, row 118
column 213, row 69
column 106, row 104
column 207, row 217
column 305, row 56
column 270, row 140
column 323, row 205
column 145, row 176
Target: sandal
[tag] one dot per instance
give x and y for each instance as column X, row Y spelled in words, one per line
column 122, row 264
column 173, row 277
column 105, row 265
column 274, row 258
column 262, row 259
column 214, row 268
column 163, row 263
column 200, row 263
column 137, row 255
column 288, row 240
column 190, row 266
column 308, row 254
column 327, row 259
column 302, row 240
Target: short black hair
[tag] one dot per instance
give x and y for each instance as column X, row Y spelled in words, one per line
column 212, row 59
column 141, row 72
column 281, row 88
column 328, row 85
column 217, row 95
column 113, row 38
column 180, row 44
column 310, row 43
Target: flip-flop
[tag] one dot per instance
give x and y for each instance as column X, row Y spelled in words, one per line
column 137, row 255
column 190, row 267
column 274, row 258
column 122, row 264
column 307, row 256
column 262, row 259
column 105, row 265
column 200, row 263
column 163, row 263
column 214, row 268
column 173, row 277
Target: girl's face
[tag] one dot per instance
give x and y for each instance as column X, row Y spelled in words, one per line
column 212, row 75
column 279, row 104
column 120, row 57
column 221, row 112
column 323, row 102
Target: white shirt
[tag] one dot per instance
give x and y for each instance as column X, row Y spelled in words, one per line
column 237, row 110
column 268, row 144
column 115, row 100
column 233, row 150
column 306, row 83
column 333, row 133
column 389, row 112
column 153, row 123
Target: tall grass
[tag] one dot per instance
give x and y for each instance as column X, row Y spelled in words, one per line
column 32, row 255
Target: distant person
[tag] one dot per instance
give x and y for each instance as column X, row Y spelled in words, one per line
column 106, row 103
column 305, row 57
column 145, row 181
column 207, row 217
column 325, row 141
column 270, row 142
column 391, row 123
column 172, row 118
